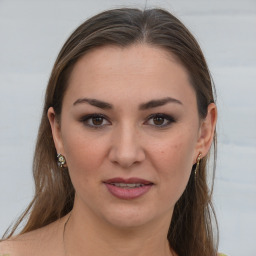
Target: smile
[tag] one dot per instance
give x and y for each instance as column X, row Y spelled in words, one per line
column 127, row 185
column 128, row 189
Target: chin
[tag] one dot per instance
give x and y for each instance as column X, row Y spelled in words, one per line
column 129, row 218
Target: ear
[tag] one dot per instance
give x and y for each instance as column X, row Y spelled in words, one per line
column 206, row 132
column 56, row 132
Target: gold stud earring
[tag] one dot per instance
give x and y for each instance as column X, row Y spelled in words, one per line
column 198, row 162
column 61, row 161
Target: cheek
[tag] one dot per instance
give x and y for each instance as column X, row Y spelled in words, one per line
column 174, row 154
column 84, row 155
column 173, row 161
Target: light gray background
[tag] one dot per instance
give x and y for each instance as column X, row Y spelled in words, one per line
column 32, row 33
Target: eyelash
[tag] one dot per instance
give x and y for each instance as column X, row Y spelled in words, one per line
column 86, row 119
column 168, row 120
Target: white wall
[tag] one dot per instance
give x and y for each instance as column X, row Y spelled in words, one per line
column 31, row 34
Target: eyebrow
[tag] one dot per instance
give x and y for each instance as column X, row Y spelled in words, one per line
column 158, row 103
column 150, row 104
column 94, row 102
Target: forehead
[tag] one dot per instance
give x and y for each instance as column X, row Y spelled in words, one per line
column 136, row 71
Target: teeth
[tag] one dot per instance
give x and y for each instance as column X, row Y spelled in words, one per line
column 126, row 185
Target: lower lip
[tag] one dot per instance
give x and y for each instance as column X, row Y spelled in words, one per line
column 128, row 193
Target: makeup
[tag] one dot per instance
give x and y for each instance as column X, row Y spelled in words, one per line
column 128, row 189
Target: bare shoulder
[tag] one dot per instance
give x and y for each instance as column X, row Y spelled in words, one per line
column 20, row 245
column 8, row 248
column 38, row 242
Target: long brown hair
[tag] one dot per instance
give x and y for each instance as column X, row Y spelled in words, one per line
column 191, row 232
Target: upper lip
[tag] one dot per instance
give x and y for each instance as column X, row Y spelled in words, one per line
column 132, row 180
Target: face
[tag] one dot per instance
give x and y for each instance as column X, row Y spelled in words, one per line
column 130, row 132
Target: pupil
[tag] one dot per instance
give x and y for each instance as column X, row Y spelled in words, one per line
column 97, row 120
column 158, row 120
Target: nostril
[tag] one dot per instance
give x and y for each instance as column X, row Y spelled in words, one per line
column 125, row 149
column 125, row 159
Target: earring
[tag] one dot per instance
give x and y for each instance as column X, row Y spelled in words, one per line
column 197, row 162
column 61, row 161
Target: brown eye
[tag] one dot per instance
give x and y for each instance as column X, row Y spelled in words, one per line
column 97, row 120
column 158, row 120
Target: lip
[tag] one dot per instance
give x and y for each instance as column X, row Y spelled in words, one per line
column 129, row 181
column 128, row 193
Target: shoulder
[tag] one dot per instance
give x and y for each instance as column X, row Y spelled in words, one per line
column 37, row 242
column 8, row 248
column 219, row 254
column 16, row 246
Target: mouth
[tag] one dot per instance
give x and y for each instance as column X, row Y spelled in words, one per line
column 128, row 185
column 128, row 188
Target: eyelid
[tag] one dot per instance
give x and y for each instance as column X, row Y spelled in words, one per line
column 90, row 116
column 169, row 118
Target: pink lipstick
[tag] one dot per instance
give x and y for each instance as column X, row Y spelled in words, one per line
column 128, row 188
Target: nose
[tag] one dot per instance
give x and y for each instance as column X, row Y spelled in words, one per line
column 126, row 149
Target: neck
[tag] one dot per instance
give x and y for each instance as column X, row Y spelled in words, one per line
column 85, row 234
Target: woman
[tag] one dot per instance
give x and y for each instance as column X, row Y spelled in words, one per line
column 130, row 114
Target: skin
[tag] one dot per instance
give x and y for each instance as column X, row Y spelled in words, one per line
column 129, row 143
